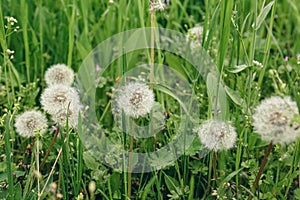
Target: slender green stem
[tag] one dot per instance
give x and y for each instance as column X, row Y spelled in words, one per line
column 152, row 13
column 24, row 20
column 71, row 34
column 215, row 155
column 8, row 159
column 37, row 162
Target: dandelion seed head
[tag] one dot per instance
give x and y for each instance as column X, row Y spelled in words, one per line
column 56, row 98
column 29, row 123
column 59, row 74
column 70, row 116
column 274, row 120
column 216, row 135
column 195, row 35
column 136, row 99
column 156, row 5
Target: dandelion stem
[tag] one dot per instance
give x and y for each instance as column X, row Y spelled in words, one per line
column 209, row 176
column 49, row 149
column 130, row 164
column 53, row 167
column 215, row 155
column 38, row 167
column 263, row 164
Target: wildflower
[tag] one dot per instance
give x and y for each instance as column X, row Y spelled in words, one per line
column 59, row 97
column 11, row 20
column 8, row 51
column 59, row 74
column 216, row 135
column 29, row 123
column 195, row 36
column 135, row 99
column 275, row 120
column 97, row 68
column 54, row 128
column 286, row 58
column 257, row 63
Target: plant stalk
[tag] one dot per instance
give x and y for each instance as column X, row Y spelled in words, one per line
column 263, row 164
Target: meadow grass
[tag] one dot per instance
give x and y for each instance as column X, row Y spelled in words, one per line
column 236, row 33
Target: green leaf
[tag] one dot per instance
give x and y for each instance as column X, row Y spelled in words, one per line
column 235, row 97
column 217, row 95
column 227, row 179
column 297, row 194
column 90, row 161
column 18, row 191
column 148, row 187
column 262, row 15
column 172, row 183
column 238, row 68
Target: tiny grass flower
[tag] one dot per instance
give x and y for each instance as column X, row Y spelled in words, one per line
column 59, row 74
column 29, row 123
column 216, row 135
column 275, row 120
column 135, row 99
column 257, row 63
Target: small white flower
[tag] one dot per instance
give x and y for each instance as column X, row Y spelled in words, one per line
column 11, row 20
column 29, row 123
column 135, row 99
column 275, row 120
column 56, row 98
column 59, row 74
column 216, row 135
column 257, row 63
column 8, row 51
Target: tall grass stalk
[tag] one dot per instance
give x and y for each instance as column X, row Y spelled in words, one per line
column 24, row 22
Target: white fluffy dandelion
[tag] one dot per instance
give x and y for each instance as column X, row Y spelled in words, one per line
column 59, row 74
column 194, row 35
column 69, row 115
column 216, row 135
column 135, row 99
column 275, row 120
column 59, row 97
column 29, row 123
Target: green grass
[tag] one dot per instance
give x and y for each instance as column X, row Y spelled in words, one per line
column 235, row 33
